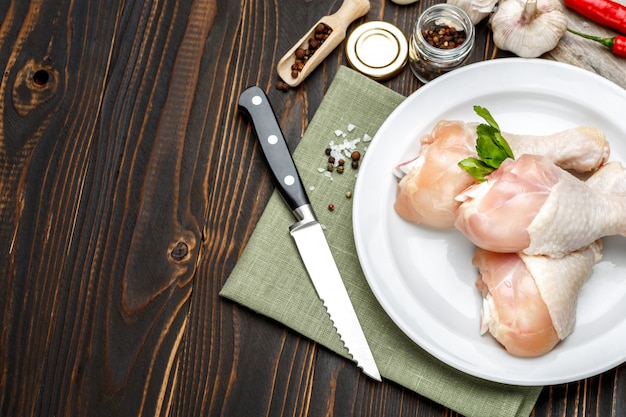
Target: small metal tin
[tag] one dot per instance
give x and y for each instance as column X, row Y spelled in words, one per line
column 377, row 49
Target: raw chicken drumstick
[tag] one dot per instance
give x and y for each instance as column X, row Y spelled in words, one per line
column 430, row 182
column 529, row 302
column 530, row 205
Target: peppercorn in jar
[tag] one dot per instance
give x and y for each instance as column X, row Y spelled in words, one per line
column 442, row 40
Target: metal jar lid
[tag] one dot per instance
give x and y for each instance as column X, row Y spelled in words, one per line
column 377, row 49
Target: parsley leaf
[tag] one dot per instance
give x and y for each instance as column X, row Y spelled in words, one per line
column 491, row 147
column 477, row 168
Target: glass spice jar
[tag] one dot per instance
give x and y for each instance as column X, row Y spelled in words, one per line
column 432, row 47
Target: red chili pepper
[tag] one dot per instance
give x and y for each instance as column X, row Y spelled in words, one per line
column 616, row 44
column 605, row 12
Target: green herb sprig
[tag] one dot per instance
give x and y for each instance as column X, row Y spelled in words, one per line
column 491, row 147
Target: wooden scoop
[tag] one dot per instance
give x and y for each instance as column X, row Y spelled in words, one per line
column 339, row 21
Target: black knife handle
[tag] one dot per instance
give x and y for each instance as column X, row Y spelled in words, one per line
column 255, row 103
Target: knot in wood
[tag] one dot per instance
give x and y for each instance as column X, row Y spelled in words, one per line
column 35, row 84
column 180, row 251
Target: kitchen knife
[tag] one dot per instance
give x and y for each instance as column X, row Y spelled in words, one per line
column 307, row 231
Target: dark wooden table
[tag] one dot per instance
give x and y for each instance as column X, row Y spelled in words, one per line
column 129, row 185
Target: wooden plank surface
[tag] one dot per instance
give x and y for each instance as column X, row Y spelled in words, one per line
column 128, row 189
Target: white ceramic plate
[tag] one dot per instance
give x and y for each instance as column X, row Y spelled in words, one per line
column 424, row 278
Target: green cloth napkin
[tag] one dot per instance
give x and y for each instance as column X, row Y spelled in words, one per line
column 270, row 278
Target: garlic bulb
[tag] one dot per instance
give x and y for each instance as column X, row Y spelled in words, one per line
column 528, row 28
column 477, row 10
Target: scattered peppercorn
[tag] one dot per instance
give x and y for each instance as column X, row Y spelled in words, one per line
column 355, row 156
column 444, row 37
column 281, row 85
column 355, row 164
column 331, row 159
column 327, row 151
column 348, row 194
column 302, row 55
column 340, row 169
column 330, row 167
column 341, row 162
column 331, row 207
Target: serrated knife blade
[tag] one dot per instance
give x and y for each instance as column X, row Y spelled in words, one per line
column 307, row 231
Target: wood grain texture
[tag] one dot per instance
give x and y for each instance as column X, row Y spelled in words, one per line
column 129, row 185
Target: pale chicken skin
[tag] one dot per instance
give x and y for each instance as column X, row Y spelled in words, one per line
column 430, row 182
column 426, row 192
column 512, row 309
column 530, row 205
column 610, row 177
column 529, row 302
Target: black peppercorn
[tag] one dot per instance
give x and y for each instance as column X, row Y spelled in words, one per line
column 300, row 53
column 281, row 85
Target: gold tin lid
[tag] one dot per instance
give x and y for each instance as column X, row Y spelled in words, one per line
column 377, row 49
